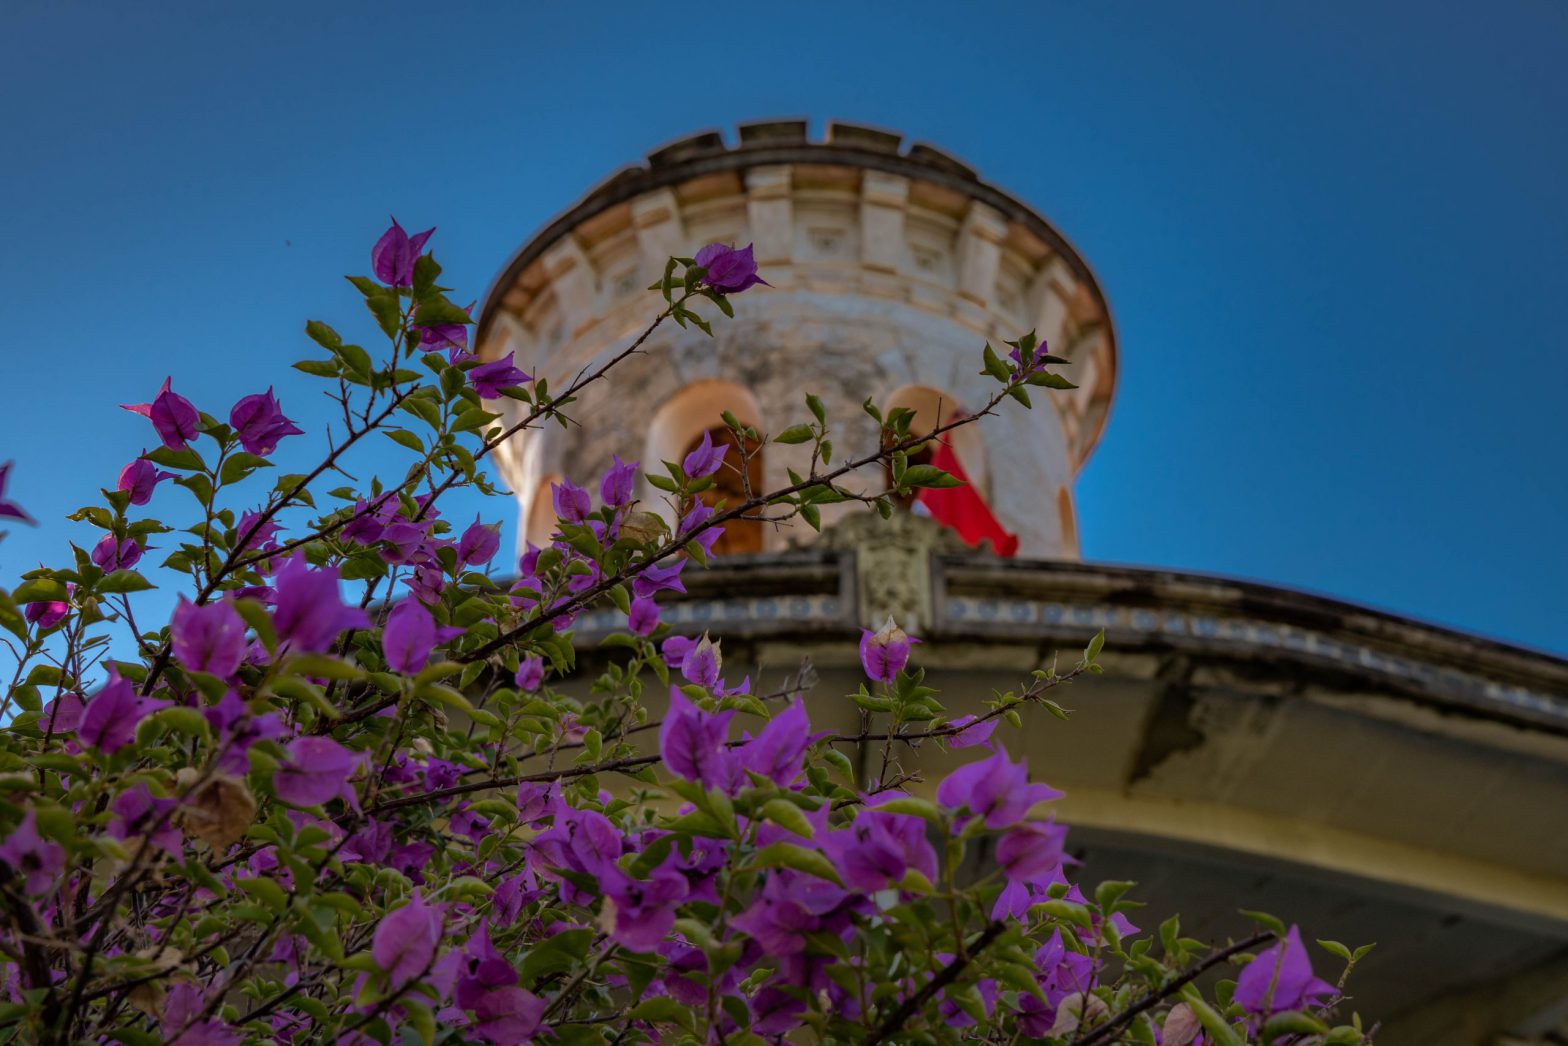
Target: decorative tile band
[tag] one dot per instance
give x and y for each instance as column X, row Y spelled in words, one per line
column 698, row 614
column 972, row 610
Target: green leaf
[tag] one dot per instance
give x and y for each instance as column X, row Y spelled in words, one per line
column 1264, row 919
column 924, row 809
column 322, row 334
column 1092, row 651
column 323, row 667
column 40, row 590
column 788, row 816
column 438, row 311
column 662, row 1010
column 318, row 368
column 241, row 465
column 1335, row 948
column 184, row 459
column 796, row 434
column 184, row 720
column 994, row 365
column 473, row 418
column 355, row 359
column 405, row 438
column 561, row 952
column 256, row 617
column 266, row 891
column 1292, row 1023
column 1050, row 381
column 788, row 855
column 929, row 476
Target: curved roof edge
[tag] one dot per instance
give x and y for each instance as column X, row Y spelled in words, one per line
column 768, row 142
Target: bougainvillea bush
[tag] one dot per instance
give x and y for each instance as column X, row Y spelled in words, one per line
column 343, row 793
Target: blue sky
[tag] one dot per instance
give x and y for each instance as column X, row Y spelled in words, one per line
column 1332, row 235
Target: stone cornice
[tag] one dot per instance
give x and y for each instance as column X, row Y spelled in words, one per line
column 984, row 600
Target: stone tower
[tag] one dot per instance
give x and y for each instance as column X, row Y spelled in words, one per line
column 890, row 265
column 1249, row 746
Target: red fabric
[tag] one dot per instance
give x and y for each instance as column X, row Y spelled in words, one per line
column 962, row 510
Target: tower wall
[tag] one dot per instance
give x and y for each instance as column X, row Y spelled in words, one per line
column 889, row 268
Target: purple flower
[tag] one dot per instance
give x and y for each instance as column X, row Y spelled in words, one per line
column 885, row 652
column 967, row 736
column 47, row 613
column 367, row 522
column 172, row 416
column 1280, row 978
column 490, row 378
column 730, row 271
column 705, row 459
column 693, row 523
column 64, row 714
column 371, row 843
column 530, row 674
column 410, row 635
column 790, row 906
column 580, row 841
column 394, row 255
column 615, row 489
column 486, row 986
column 1031, row 849
column 995, row 789
column 111, row 554
column 479, row 543
column 404, row 946
column 441, row 774
column 643, row 617
column 180, row 1024
column 315, row 771
column 691, row 742
column 661, row 577
column 10, row 509
column 675, row 649
column 644, row 909
column 1023, row 368
column 137, row 812
column 255, row 534
column 310, row 613
column 260, row 424
column 703, row 663
column 208, row 638
column 570, row 502
column 778, row 751
column 36, row 861
column 878, row 849
column 775, row 1011
column 110, row 722
column 140, row 477
column 453, row 337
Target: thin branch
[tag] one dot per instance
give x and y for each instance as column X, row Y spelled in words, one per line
column 944, row 977
column 1105, row 1032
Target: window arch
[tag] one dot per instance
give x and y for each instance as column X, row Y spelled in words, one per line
column 1068, row 515
column 932, row 408
column 542, row 520
column 679, row 425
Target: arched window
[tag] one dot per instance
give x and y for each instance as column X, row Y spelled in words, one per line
column 965, row 509
column 934, row 408
column 678, row 427
column 541, row 514
column 1069, row 522
column 739, row 478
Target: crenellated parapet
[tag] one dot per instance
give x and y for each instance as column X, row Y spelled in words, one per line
column 889, row 264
